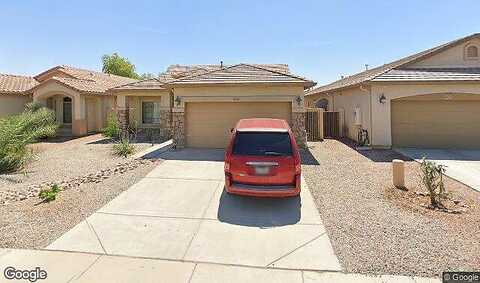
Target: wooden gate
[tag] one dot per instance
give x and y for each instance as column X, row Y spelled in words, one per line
column 331, row 128
column 314, row 124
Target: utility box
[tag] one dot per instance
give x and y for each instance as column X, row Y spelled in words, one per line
column 357, row 116
column 398, row 173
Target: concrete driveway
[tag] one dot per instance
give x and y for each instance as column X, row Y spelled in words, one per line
column 180, row 212
column 462, row 165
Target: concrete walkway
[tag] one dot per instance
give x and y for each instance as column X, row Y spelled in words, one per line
column 461, row 165
column 181, row 212
column 86, row 267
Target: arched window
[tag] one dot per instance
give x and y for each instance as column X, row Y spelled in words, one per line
column 322, row 103
column 471, row 52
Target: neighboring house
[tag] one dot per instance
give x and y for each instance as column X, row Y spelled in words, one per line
column 199, row 104
column 77, row 96
column 430, row 99
column 15, row 93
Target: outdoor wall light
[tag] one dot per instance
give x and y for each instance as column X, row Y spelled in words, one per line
column 299, row 100
column 382, row 99
column 178, row 100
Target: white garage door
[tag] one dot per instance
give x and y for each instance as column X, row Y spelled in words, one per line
column 207, row 125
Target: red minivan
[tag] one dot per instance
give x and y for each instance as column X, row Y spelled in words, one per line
column 262, row 159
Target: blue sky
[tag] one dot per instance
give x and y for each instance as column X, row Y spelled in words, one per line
column 321, row 40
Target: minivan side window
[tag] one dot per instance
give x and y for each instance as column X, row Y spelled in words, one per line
column 262, row 144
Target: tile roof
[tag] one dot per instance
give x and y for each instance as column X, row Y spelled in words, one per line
column 240, row 73
column 431, row 74
column 148, row 84
column 174, row 69
column 13, row 84
column 86, row 80
column 371, row 74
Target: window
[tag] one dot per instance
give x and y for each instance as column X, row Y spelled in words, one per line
column 262, row 144
column 471, row 52
column 150, row 112
column 322, row 103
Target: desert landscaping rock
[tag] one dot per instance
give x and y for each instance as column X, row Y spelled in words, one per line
column 67, row 164
column 9, row 196
column 376, row 229
column 31, row 224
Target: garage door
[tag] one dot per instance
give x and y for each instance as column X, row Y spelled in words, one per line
column 207, row 125
column 436, row 124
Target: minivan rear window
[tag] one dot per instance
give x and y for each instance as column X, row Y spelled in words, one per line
column 262, row 144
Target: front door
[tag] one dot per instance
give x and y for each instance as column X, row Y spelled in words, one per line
column 67, row 110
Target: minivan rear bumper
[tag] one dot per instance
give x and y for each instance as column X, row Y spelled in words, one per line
column 262, row 190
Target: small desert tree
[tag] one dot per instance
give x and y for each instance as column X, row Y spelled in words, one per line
column 117, row 65
column 432, row 178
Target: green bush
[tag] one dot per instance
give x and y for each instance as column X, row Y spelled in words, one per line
column 17, row 131
column 123, row 148
column 112, row 130
column 47, row 195
column 33, row 106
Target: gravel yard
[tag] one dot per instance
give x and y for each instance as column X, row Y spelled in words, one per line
column 56, row 161
column 30, row 224
column 374, row 228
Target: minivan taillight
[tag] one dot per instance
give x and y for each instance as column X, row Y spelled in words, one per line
column 227, row 163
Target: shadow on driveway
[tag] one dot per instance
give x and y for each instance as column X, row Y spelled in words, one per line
column 376, row 155
column 258, row 212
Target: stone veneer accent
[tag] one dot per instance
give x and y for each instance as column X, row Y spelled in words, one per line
column 159, row 131
column 298, row 128
column 122, row 116
column 178, row 128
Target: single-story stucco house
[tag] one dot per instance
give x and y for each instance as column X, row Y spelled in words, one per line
column 430, row 99
column 196, row 105
column 77, row 96
column 200, row 104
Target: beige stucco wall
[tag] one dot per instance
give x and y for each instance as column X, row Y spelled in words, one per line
column 381, row 113
column 310, row 100
column 249, row 93
column 56, row 92
column 346, row 102
column 452, row 57
column 53, row 88
column 13, row 104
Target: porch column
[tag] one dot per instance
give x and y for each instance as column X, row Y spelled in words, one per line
column 79, row 121
column 123, row 114
column 178, row 127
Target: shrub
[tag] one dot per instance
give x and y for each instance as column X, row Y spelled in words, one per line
column 47, row 195
column 432, row 178
column 123, row 148
column 17, row 131
column 33, row 106
column 112, row 130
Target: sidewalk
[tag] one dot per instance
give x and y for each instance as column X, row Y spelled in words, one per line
column 87, row 267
